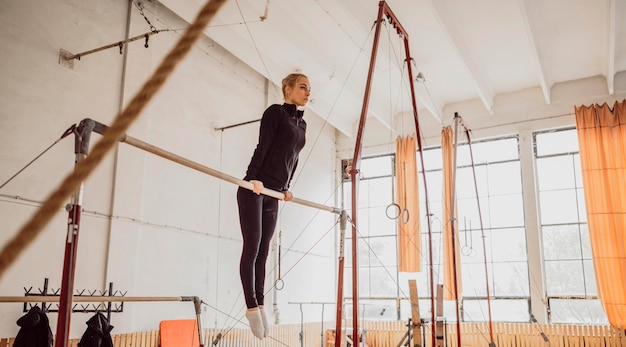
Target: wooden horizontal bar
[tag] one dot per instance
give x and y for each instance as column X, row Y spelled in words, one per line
column 215, row 173
column 52, row 298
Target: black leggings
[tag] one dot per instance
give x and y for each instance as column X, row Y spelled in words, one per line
column 257, row 216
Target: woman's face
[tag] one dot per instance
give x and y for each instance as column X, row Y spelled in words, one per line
column 299, row 93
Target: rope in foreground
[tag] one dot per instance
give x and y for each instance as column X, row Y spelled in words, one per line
column 121, row 123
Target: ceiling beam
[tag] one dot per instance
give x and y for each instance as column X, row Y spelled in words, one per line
column 449, row 26
column 531, row 31
column 610, row 67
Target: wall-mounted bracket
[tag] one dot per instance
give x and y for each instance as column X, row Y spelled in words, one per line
column 65, row 59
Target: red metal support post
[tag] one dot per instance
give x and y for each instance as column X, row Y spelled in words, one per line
column 354, row 175
column 428, row 214
column 383, row 11
column 81, row 146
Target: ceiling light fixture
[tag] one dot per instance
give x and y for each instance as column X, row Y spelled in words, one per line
column 420, row 78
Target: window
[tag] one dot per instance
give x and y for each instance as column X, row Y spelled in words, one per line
column 570, row 281
column 498, row 182
column 377, row 241
column 499, row 188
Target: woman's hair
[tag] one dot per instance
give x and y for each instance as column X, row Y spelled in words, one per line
column 291, row 81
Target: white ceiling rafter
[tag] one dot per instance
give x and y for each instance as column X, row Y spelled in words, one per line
column 610, row 68
column 513, row 53
column 456, row 38
column 531, row 32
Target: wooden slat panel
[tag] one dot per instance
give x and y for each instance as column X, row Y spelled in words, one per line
column 390, row 333
column 440, row 330
column 415, row 311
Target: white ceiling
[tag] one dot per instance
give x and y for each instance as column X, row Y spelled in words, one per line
column 466, row 50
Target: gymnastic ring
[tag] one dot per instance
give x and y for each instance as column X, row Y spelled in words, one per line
column 405, row 216
column 397, row 208
column 279, row 284
column 472, row 252
column 467, row 251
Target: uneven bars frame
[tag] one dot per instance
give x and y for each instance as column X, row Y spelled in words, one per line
column 83, row 132
column 212, row 172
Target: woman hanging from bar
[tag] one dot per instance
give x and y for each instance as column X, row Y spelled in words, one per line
column 273, row 163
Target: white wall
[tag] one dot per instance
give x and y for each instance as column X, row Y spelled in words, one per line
column 152, row 227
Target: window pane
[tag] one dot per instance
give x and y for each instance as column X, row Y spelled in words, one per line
column 489, row 151
column 379, row 191
column 582, row 208
column 424, row 309
column 449, row 311
column 555, row 173
column 347, row 249
column 471, row 244
column 578, row 175
column 567, row 252
column 465, row 187
column 380, row 224
column 504, row 178
column 376, row 166
column 474, row 280
column 510, row 279
column 363, row 192
column 378, row 310
column 364, row 283
column 558, row 206
column 347, row 195
column 423, row 283
column 382, row 250
column 564, row 277
column 468, row 213
column 508, row 245
column 586, row 242
column 362, row 222
column 562, row 141
column 506, row 211
column 501, row 310
column 432, row 159
column 435, row 190
column 590, row 278
column 587, row 311
column 383, row 282
column 561, row 242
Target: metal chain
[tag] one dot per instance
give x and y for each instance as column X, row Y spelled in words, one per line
column 140, row 7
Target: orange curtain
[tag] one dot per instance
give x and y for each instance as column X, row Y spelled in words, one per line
column 602, row 142
column 447, row 149
column 409, row 240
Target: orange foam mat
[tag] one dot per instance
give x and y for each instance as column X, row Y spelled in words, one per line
column 179, row 333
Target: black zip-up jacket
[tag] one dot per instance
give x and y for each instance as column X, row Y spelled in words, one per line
column 98, row 333
column 281, row 137
column 35, row 329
